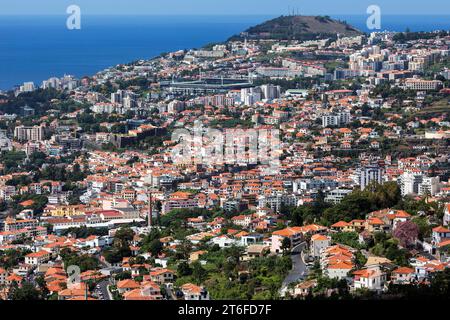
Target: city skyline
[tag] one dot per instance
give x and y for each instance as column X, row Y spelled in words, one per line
column 219, row 157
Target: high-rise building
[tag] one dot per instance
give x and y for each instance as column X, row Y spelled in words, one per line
column 419, row 184
column 35, row 133
column 368, row 174
column 336, row 119
column 250, row 96
column 27, row 87
column 269, row 91
column 129, row 103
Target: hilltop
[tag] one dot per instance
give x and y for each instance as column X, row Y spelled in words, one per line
column 299, row 28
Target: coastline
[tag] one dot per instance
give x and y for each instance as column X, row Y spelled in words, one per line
column 68, row 56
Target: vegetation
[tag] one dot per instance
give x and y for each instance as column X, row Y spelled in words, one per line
column 300, row 28
column 85, row 262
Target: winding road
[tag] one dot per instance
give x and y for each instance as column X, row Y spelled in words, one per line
column 299, row 269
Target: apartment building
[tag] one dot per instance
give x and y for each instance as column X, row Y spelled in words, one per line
column 35, row 133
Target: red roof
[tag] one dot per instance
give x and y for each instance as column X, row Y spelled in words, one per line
column 403, row 270
column 441, row 230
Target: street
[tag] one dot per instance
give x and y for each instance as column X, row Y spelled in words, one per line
column 299, row 268
column 102, row 290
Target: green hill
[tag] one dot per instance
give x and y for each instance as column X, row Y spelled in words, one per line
column 299, row 28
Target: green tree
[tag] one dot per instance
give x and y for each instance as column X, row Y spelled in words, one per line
column 286, row 245
column 26, row 292
column 184, row 269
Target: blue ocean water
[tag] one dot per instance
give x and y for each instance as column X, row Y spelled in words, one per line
column 34, row 48
column 400, row 23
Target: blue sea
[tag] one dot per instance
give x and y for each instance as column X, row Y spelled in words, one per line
column 35, row 48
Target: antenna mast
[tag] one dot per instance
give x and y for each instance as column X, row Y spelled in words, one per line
column 150, row 208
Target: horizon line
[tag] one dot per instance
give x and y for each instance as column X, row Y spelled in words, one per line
column 224, row 14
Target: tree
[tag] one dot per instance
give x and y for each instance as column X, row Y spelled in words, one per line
column 184, row 269
column 406, row 232
column 286, row 244
column 123, row 275
column 27, row 292
column 123, row 236
column 155, row 247
column 347, row 238
column 85, row 262
column 199, row 273
column 40, row 281
column 424, row 227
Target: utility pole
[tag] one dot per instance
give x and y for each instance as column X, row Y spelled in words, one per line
column 150, row 209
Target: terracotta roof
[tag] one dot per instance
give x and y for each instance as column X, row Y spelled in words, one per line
column 127, row 284
column 341, row 224
column 403, row 270
column 441, row 230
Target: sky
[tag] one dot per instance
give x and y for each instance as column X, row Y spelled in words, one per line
column 223, row 7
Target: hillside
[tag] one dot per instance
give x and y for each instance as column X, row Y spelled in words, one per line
column 299, row 28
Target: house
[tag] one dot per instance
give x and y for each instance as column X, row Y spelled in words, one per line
column 440, row 234
column 37, row 258
column 127, row 285
column 194, row 256
column 375, row 225
column 147, row 291
column 194, row 292
column 252, row 238
column 343, row 226
column 398, row 216
column 318, row 243
column 78, row 292
column 14, row 278
column 294, row 234
column 443, row 252
column 196, row 223
column 304, row 288
column 338, row 270
column 358, row 225
column 223, row 241
column 372, row 279
column 403, row 275
column 255, row 251
column 162, row 275
column 337, row 261
column 242, row 220
column 3, row 275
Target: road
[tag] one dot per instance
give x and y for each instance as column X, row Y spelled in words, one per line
column 103, row 285
column 170, row 294
column 299, row 268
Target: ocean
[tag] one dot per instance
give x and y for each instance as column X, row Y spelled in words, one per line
column 35, row 48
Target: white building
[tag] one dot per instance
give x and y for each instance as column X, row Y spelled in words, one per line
column 23, row 133
column 193, row 292
column 423, row 85
column 27, row 87
column 250, row 96
column 447, row 215
column 318, row 243
column 372, row 279
column 336, row 119
column 368, row 174
column 270, row 91
column 37, row 258
column 419, row 184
